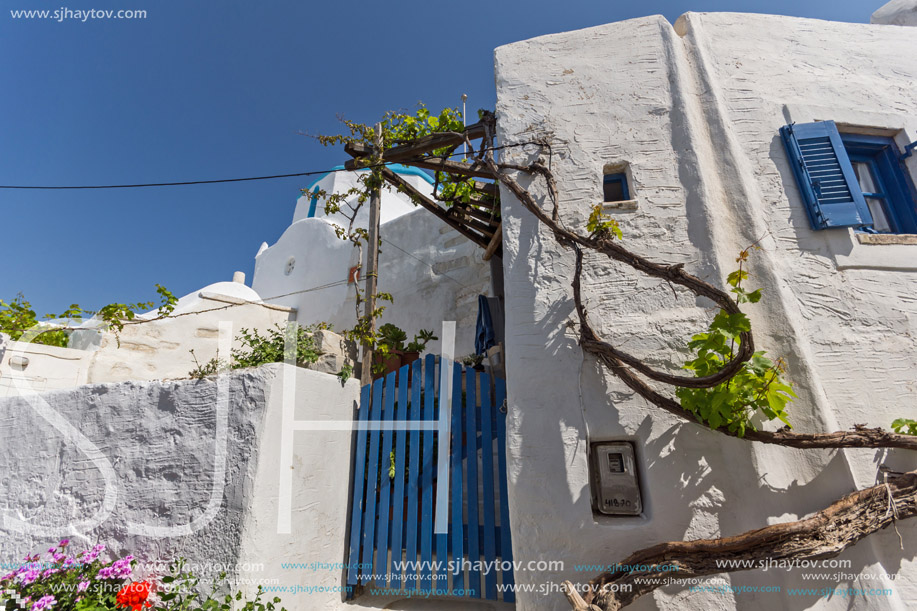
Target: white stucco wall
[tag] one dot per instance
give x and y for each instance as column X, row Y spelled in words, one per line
column 27, row 367
column 696, row 115
column 434, row 273
column 190, row 468
column 896, row 12
column 158, row 349
column 393, row 205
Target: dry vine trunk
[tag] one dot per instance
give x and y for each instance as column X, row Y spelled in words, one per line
column 824, row 535
column 625, row 365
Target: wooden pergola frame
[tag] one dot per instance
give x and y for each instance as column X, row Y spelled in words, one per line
column 478, row 219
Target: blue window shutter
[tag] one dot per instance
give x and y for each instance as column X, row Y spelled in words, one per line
column 825, row 176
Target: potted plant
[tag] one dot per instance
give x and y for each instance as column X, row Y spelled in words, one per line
column 390, row 352
column 412, row 350
column 476, row 361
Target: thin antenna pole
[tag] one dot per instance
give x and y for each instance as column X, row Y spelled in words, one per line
column 464, row 123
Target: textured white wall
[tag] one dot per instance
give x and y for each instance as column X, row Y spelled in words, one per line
column 27, row 367
column 896, row 12
column 158, row 349
column 696, row 115
column 190, row 468
column 433, row 273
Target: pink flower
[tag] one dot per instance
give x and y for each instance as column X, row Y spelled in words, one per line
column 28, row 576
column 45, row 602
column 83, row 586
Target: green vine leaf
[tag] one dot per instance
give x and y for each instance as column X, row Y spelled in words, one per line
column 757, row 387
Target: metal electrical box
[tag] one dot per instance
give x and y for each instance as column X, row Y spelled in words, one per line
column 615, row 488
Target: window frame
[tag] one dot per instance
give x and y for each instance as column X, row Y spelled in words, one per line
column 616, row 177
column 892, row 179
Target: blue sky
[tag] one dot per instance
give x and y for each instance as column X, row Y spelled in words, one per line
column 220, row 89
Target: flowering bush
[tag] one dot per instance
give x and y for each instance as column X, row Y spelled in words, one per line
column 86, row 582
column 64, row 581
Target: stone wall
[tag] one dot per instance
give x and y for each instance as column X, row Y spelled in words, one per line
column 208, row 469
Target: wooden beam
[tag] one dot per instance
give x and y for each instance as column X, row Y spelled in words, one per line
column 494, row 243
column 488, row 188
column 471, row 170
column 475, row 213
column 487, row 204
column 433, row 207
column 485, row 228
column 475, row 169
column 420, row 146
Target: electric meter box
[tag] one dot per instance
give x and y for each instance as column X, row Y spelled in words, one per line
column 615, row 488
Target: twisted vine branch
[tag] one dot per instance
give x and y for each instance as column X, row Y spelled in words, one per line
column 622, row 364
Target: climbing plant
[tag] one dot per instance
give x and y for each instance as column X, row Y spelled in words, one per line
column 18, row 318
column 732, row 383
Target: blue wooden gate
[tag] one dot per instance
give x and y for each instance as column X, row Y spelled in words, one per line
column 393, row 545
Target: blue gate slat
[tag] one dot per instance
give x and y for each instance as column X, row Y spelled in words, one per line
column 428, row 465
column 506, row 545
column 356, row 511
column 372, row 481
column 410, row 545
column 471, row 441
column 458, row 575
column 490, row 552
column 393, row 517
column 385, row 483
column 398, row 498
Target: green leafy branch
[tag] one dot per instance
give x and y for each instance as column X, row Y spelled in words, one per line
column 905, row 426
column 757, row 387
column 18, row 318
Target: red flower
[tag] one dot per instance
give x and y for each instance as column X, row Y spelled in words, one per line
column 133, row 596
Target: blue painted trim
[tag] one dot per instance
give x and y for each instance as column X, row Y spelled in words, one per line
column 471, row 426
column 506, row 544
column 824, row 213
column 619, row 178
column 313, row 204
column 398, row 519
column 428, row 468
column 413, row 524
column 356, row 530
column 385, row 483
column 372, row 481
column 397, row 168
column 458, row 576
column 891, row 177
column 487, row 456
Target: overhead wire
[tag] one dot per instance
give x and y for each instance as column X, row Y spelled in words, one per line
column 225, row 180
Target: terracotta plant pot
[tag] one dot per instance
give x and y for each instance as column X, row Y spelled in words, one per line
column 409, row 357
column 392, row 363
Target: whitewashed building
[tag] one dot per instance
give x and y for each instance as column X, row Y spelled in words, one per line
column 701, row 138
column 679, row 126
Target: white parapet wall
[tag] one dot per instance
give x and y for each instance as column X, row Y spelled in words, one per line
column 691, row 113
column 433, row 273
column 208, row 469
column 208, row 322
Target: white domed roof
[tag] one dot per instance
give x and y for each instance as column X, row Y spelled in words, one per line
column 235, row 290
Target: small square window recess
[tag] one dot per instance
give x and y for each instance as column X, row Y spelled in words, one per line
column 615, row 188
